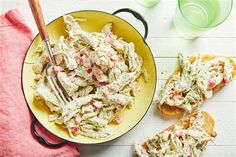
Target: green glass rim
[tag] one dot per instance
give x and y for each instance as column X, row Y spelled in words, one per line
column 231, row 1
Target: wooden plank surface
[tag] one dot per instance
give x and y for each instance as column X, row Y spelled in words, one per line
column 123, row 151
column 165, row 44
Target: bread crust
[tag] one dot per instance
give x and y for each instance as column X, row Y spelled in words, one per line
column 208, row 125
column 176, row 111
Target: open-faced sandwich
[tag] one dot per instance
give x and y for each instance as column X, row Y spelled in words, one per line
column 195, row 80
column 187, row 138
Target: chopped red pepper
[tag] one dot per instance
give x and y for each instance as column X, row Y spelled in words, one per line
column 190, row 155
column 223, row 81
column 103, row 83
column 82, row 59
column 89, row 70
column 78, row 59
column 54, row 70
column 94, row 78
column 98, row 72
column 70, row 38
column 179, row 134
column 46, row 59
column 171, row 94
column 212, row 84
column 75, row 130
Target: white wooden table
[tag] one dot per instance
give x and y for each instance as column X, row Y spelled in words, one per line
column 165, row 44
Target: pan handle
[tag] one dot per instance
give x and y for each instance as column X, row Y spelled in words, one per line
column 42, row 140
column 137, row 16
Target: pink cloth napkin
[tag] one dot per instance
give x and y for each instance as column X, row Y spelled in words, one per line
column 16, row 139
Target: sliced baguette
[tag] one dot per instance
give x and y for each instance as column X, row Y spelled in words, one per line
column 175, row 111
column 208, row 125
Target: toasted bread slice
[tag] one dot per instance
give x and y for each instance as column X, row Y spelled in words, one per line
column 175, row 111
column 208, row 126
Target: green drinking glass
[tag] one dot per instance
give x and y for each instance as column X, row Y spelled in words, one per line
column 194, row 17
column 148, row 3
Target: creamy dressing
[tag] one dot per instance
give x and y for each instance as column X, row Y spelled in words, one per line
column 179, row 142
column 188, row 89
column 98, row 70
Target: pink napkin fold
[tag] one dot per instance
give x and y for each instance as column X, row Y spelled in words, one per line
column 16, row 139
